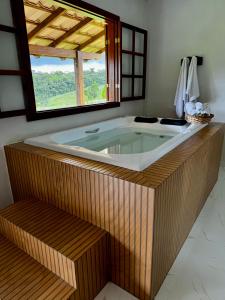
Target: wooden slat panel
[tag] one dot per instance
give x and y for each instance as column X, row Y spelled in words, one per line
column 118, row 200
column 81, row 191
column 66, row 240
column 21, row 277
column 177, row 208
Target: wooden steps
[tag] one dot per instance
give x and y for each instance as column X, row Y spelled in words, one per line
column 69, row 247
column 22, row 277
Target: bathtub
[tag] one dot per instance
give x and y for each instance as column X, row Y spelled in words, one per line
column 120, row 142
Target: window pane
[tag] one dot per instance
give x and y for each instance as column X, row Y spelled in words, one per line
column 127, row 64
column 5, row 13
column 127, row 39
column 11, row 93
column 70, row 70
column 54, row 83
column 139, row 65
column 8, row 51
column 95, row 80
column 139, row 42
column 138, row 87
column 126, row 87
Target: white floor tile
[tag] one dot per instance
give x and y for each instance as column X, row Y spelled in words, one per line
column 199, row 270
column 113, row 292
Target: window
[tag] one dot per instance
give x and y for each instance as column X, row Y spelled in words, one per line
column 70, row 53
column 134, row 60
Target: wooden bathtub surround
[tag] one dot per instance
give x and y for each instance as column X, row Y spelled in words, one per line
column 69, row 247
column 148, row 214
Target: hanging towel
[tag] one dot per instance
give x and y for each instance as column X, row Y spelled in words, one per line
column 181, row 96
column 192, row 85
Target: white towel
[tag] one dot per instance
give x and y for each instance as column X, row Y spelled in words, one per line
column 192, row 85
column 181, row 96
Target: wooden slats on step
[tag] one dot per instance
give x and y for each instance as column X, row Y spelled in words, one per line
column 54, row 238
column 21, row 277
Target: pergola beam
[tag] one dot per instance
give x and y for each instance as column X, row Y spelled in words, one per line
column 58, row 28
column 71, row 31
column 59, row 11
column 37, row 50
column 51, row 52
column 91, row 40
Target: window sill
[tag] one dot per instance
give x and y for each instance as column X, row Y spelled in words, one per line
column 70, row 111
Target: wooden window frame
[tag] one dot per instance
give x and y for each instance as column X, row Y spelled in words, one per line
column 133, row 53
column 5, row 72
column 113, row 63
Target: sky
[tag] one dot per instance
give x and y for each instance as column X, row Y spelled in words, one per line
column 50, row 64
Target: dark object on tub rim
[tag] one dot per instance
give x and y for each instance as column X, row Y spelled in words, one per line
column 145, row 120
column 175, row 122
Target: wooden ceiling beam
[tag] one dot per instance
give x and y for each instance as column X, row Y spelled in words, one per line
column 91, row 40
column 37, row 50
column 71, row 31
column 50, row 10
column 40, row 51
column 59, row 28
column 101, row 51
column 59, row 11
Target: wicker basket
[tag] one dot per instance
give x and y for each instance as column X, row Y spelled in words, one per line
column 202, row 119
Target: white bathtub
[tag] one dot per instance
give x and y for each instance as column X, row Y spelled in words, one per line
column 60, row 141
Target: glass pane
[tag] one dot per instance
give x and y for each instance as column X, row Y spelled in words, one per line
column 127, row 39
column 11, row 93
column 8, row 51
column 5, row 13
column 126, row 87
column 139, row 42
column 54, row 82
column 95, row 81
column 139, row 65
column 127, row 64
column 62, row 76
column 138, row 87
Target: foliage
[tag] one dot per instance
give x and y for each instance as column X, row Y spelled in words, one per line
column 58, row 89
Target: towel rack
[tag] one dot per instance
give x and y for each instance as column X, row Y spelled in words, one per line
column 199, row 60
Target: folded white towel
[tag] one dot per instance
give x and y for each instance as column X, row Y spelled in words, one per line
column 192, row 85
column 190, row 108
column 181, row 96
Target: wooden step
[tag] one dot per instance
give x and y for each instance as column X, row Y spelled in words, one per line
column 64, row 244
column 22, row 277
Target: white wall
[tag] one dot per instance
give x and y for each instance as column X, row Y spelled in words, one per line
column 16, row 129
column 181, row 28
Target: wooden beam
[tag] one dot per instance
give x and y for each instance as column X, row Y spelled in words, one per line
column 49, row 10
column 91, row 40
column 101, row 51
column 79, row 71
column 71, row 31
column 60, row 53
column 51, row 52
column 55, row 27
column 90, row 55
column 59, row 11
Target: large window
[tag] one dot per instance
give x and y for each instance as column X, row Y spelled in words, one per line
column 71, row 52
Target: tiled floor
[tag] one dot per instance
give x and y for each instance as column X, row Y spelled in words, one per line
column 199, row 270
